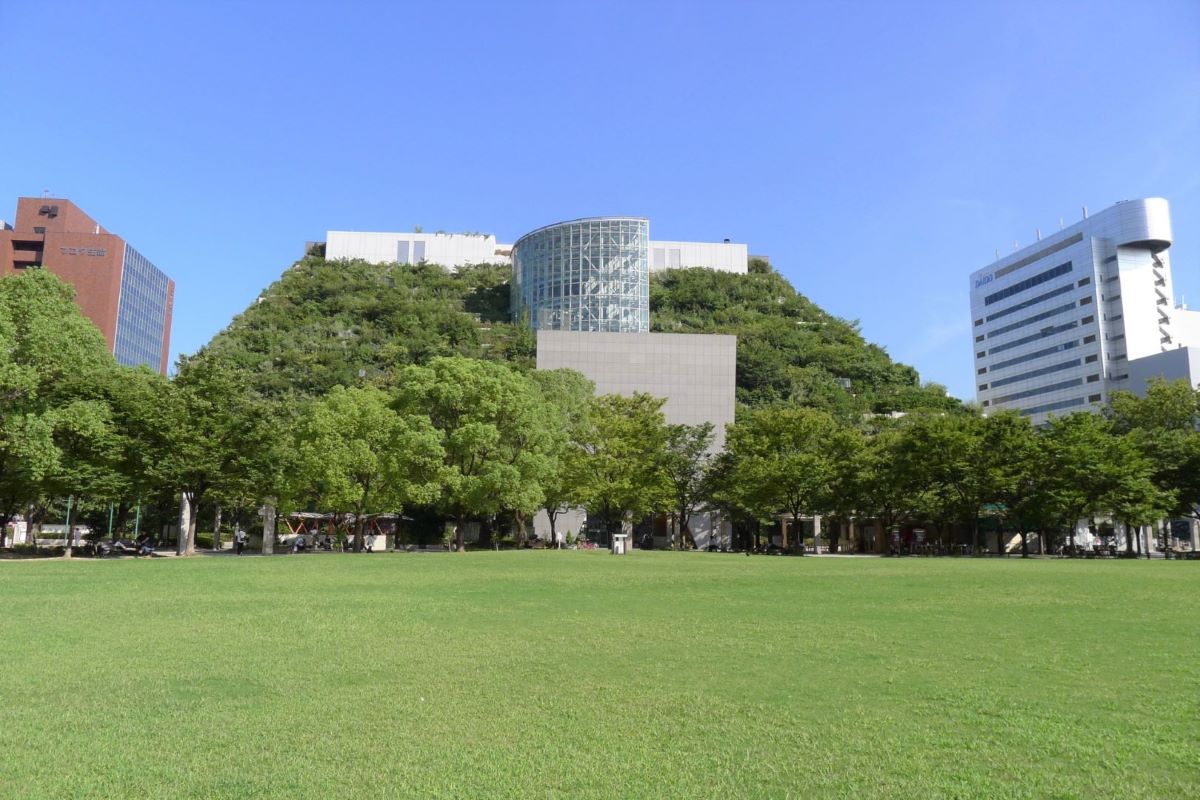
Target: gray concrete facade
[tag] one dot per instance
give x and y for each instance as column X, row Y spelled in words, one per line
column 696, row 373
column 1180, row 363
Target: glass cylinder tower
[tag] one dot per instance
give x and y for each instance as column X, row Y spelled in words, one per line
column 584, row 275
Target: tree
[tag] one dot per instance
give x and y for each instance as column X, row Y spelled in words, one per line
column 620, row 463
column 364, row 456
column 493, row 444
column 888, row 490
column 849, row 477
column 1165, row 428
column 686, row 461
column 782, row 461
column 48, row 350
column 211, row 429
column 568, row 395
column 1075, row 468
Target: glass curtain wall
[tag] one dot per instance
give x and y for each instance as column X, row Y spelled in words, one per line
column 584, row 275
column 141, row 312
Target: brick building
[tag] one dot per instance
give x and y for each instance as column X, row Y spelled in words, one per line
column 127, row 297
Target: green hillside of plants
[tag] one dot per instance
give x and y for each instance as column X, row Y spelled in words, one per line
column 325, row 323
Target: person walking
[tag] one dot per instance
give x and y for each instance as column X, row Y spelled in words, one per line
column 370, row 543
column 239, row 541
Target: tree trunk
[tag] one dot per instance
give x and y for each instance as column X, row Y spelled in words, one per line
column 268, row 535
column 459, row 545
column 1024, row 543
column 216, row 542
column 192, row 520
column 185, row 520
column 797, row 535
column 553, row 517
column 358, row 532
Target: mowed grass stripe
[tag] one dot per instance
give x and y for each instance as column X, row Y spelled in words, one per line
column 572, row 674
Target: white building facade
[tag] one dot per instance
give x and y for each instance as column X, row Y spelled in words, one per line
column 451, row 250
column 1055, row 325
column 454, row 250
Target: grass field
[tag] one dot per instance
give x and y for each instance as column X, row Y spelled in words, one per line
column 571, row 674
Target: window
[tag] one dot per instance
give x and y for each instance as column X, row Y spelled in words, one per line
column 39, row 229
column 1036, row 373
column 1078, row 401
column 981, row 371
column 1110, row 259
column 1091, row 359
column 1036, row 354
column 1087, row 319
column 978, row 322
column 1042, row 334
column 1093, row 398
column 1089, row 339
column 1085, row 301
column 1012, row 326
column 987, row 403
column 981, row 354
column 1028, row 283
column 982, row 386
column 1093, row 378
column 1050, row 387
column 980, row 338
column 1033, row 301
column 1084, row 281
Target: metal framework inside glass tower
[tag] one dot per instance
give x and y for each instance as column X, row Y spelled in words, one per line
column 584, row 275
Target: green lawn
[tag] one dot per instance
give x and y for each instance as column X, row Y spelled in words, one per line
column 571, row 674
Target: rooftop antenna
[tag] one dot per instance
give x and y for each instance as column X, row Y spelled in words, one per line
column 1039, row 233
column 997, row 253
column 1060, row 223
column 45, row 192
column 1085, row 212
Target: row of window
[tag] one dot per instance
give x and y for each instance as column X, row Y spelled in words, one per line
column 1033, row 337
column 1058, row 406
column 1012, row 326
column 1033, row 373
column 1033, row 301
column 1058, row 348
column 1050, row 387
column 1028, row 283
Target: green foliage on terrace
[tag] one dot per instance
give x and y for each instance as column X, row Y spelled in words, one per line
column 328, row 323
column 788, row 348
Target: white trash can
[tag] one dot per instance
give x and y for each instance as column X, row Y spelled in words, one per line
column 620, row 544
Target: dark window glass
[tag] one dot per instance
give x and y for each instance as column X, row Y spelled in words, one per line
column 1028, row 283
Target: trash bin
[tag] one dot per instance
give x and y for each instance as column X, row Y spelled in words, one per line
column 620, row 544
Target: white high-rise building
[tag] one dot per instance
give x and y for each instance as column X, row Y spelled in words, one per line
column 1056, row 324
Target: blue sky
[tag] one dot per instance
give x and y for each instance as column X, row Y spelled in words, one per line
column 878, row 152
